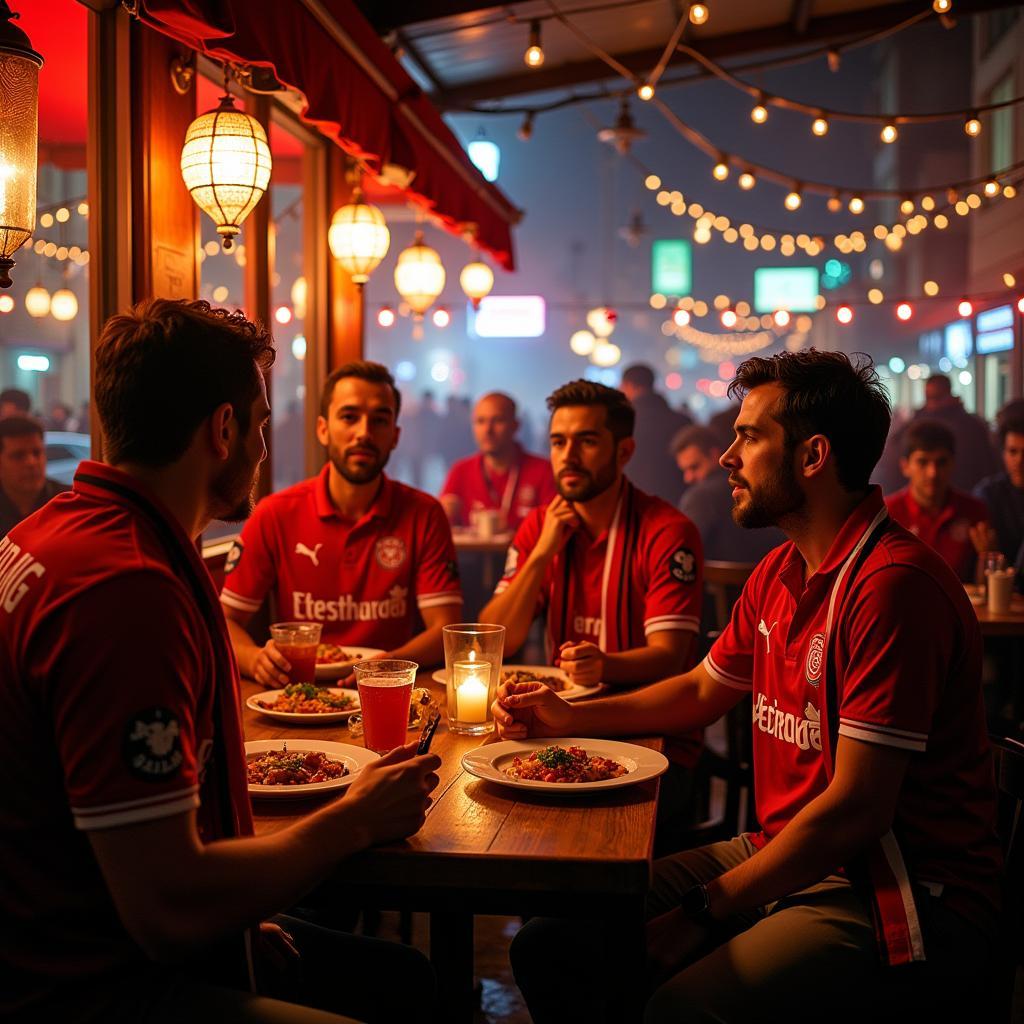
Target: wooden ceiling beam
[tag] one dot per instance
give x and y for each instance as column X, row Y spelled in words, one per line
column 386, row 15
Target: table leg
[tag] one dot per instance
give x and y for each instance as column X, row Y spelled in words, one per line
column 629, row 997
column 451, row 953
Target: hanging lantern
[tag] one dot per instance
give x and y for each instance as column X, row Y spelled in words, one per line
column 63, row 305
column 359, row 237
column 226, row 164
column 606, row 354
column 582, row 343
column 602, row 321
column 19, row 136
column 477, row 280
column 37, row 301
column 419, row 275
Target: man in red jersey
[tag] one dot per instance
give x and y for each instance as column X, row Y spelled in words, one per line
column 953, row 522
column 362, row 554
column 863, row 658
column 616, row 571
column 133, row 885
column 502, row 477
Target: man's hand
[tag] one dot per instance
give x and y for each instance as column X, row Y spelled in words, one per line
column 277, row 945
column 583, row 663
column 560, row 520
column 395, row 793
column 983, row 537
column 270, row 669
column 672, row 941
column 530, row 709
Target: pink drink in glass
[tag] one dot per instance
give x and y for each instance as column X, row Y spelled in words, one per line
column 385, row 691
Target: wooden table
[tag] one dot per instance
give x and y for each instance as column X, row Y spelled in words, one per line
column 481, row 563
column 489, row 849
column 1010, row 624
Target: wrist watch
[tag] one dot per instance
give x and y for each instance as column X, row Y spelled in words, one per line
column 696, row 904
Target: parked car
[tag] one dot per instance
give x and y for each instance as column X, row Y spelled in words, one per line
column 64, row 451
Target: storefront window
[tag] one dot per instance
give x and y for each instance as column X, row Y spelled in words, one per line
column 44, row 316
column 1001, row 144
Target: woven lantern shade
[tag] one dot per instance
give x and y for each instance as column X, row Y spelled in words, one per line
column 226, row 165
column 19, row 137
column 419, row 275
column 359, row 237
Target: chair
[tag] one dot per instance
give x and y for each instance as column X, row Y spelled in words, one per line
column 723, row 582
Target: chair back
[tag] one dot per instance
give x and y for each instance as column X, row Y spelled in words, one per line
column 723, row 582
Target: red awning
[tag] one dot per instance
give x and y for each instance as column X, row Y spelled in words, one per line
column 356, row 94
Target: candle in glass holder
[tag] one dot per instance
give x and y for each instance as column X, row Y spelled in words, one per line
column 471, row 679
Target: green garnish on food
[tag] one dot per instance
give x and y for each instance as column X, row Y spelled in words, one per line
column 553, row 757
column 307, row 690
column 310, row 692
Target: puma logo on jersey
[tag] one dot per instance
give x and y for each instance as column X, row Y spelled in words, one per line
column 766, row 632
column 313, row 556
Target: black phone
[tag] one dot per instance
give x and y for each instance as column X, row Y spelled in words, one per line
column 427, row 736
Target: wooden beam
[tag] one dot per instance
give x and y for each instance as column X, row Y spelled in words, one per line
column 386, row 15
column 346, row 324
column 801, row 16
column 824, row 29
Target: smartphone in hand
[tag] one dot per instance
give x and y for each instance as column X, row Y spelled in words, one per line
column 429, row 728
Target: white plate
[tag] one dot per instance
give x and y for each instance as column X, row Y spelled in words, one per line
column 297, row 718
column 573, row 691
column 355, row 758
column 489, row 761
column 335, row 669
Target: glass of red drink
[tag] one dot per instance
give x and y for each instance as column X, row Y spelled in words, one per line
column 298, row 642
column 385, row 690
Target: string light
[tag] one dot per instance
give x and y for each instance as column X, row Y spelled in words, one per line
column 1009, row 280
column 646, row 92
column 781, row 318
column 972, row 126
column 819, row 126
column 856, row 205
column 699, row 13
column 889, row 134
column 534, row 55
column 930, row 288
column 835, row 203
column 746, row 181
column 721, row 170
column 1020, row 304
column 904, row 311
column 729, row 318
column 759, row 114
column 681, row 318
column 386, row 316
column 991, row 189
column 942, row 6
column 844, row 314
column 907, row 207
column 793, row 199
column 965, row 308
column 525, row 131
column 441, row 317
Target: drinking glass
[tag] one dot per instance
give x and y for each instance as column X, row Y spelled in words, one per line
column 298, row 642
column 472, row 657
column 385, row 691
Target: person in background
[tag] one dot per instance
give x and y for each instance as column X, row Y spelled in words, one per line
column 455, row 431
column 14, row 402
column 350, row 548
column 722, row 425
column 862, row 654
column 24, row 487
column 61, row 418
column 1003, row 493
column 134, row 888
column 502, row 477
column 707, row 501
column 947, row 519
column 652, row 468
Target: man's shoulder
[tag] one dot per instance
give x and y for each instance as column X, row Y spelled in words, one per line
column 284, row 501
column 897, row 502
column 535, row 463
column 410, row 499
column 657, row 515
column 903, row 563
column 460, row 468
column 51, row 488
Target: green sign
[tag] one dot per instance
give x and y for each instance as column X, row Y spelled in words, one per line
column 791, row 288
column 671, row 266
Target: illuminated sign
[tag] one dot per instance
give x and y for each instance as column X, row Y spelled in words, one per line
column 995, row 330
column 671, row 266
column 507, row 316
column 958, row 342
column 791, row 288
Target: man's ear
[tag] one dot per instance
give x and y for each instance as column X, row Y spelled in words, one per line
column 627, row 447
column 221, row 427
column 815, row 452
column 321, row 430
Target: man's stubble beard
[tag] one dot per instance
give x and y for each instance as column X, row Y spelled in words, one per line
column 234, row 490
column 363, row 476
column 595, row 486
column 777, row 499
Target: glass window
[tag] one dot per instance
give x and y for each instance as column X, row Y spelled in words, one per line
column 1001, row 145
column 45, row 314
column 995, row 25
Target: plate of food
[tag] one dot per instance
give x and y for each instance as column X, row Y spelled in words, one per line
column 333, row 660
column 305, row 703
column 297, row 768
column 547, row 674
column 571, row 765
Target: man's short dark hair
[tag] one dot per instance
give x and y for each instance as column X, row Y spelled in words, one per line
column 19, row 426
column 640, row 375
column 1010, row 419
column 375, row 373
column 927, row 436
column 620, row 416
column 703, row 438
column 939, row 382
column 21, row 400
column 826, row 393
column 165, row 366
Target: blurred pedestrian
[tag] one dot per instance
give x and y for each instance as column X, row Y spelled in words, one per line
column 24, row 487
column 14, row 402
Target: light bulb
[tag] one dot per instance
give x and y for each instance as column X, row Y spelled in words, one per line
column 844, row 314
column 699, row 13
column 759, row 114
column 819, row 126
column 904, row 311
column 889, row 133
column 729, row 318
column 646, row 92
column 793, row 200
column 386, row 317
column 856, row 204
column 942, row 6
column 681, row 318
column 907, row 206
column 972, row 125
column 781, row 318
column 534, row 56
column 441, row 317
column 720, row 171
column 991, row 188
column 746, row 181
column 965, row 308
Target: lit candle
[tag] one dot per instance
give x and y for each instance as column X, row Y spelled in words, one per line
column 471, row 690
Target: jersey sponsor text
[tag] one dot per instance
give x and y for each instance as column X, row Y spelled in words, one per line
column 804, row 733
column 347, row 609
column 16, row 566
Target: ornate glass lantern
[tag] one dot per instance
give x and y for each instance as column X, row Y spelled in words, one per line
column 477, row 280
column 419, row 275
column 19, row 138
column 359, row 237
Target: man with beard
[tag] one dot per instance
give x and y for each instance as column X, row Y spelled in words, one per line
column 349, row 548
column 24, row 487
column 617, row 571
column 501, row 477
column 133, row 884
column 863, row 658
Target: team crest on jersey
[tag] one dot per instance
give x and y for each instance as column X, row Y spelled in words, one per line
column 234, row 557
column 390, row 552
column 684, row 566
column 815, row 658
column 511, row 562
column 152, row 745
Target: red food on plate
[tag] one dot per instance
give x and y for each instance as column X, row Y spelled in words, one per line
column 564, row 764
column 293, row 768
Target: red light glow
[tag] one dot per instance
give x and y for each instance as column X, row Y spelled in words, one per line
column 844, row 314
column 904, row 311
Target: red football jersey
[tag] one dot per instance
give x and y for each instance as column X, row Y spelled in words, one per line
column 111, row 714
column 364, row 581
column 527, row 485
column 908, row 679
column 945, row 530
column 640, row 576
